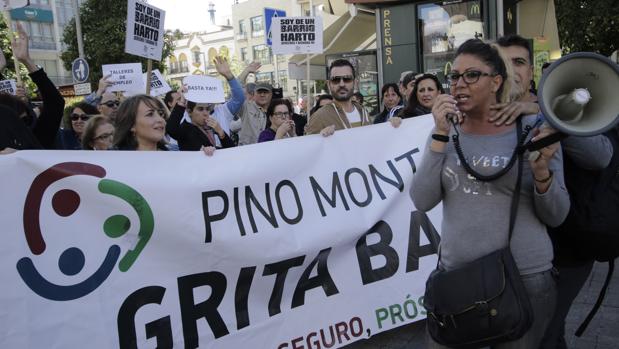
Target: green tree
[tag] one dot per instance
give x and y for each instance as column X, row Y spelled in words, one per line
column 103, row 30
column 588, row 25
column 9, row 71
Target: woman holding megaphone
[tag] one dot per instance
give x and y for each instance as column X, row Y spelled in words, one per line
column 495, row 204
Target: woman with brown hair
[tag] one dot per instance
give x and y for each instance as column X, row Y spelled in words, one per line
column 140, row 124
column 421, row 100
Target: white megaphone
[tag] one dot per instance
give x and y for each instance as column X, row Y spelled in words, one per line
column 579, row 94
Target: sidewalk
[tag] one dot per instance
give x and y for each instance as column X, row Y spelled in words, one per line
column 602, row 333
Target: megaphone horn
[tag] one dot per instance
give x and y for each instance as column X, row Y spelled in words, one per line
column 578, row 95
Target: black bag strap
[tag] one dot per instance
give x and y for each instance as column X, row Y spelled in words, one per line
column 581, row 329
column 516, row 196
column 518, row 150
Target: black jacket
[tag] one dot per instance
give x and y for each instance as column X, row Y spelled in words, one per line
column 15, row 134
column 189, row 136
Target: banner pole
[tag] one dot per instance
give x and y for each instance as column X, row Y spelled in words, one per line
column 307, row 71
column 9, row 24
column 149, row 69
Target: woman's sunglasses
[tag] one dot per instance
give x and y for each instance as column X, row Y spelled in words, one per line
column 83, row 117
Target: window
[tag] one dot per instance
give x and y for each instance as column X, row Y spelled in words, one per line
column 50, row 67
column 224, row 51
column 212, row 53
column 443, row 28
column 283, row 80
column 244, row 57
column 265, row 77
column 40, row 35
column 195, row 52
column 184, row 65
column 173, row 65
column 242, row 27
column 262, row 54
column 257, row 28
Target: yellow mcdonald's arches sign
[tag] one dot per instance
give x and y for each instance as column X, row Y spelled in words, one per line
column 447, row 69
column 475, row 9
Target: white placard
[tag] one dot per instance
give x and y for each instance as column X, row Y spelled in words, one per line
column 204, row 89
column 145, row 30
column 82, row 89
column 8, row 86
column 124, row 77
column 294, row 35
column 172, row 249
column 158, row 85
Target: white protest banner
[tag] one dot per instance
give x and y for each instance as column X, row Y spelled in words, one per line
column 176, row 249
column 8, row 86
column 124, row 77
column 204, row 89
column 158, row 85
column 294, row 35
column 144, row 36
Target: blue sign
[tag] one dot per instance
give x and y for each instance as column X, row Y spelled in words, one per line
column 269, row 13
column 80, row 70
column 32, row 14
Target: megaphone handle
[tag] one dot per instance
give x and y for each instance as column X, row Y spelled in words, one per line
column 544, row 142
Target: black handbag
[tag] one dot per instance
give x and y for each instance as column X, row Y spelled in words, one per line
column 484, row 302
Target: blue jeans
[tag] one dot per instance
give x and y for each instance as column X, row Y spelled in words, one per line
column 542, row 291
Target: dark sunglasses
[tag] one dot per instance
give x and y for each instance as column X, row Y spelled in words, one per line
column 83, row 117
column 111, row 104
column 470, row 77
column 336, row 79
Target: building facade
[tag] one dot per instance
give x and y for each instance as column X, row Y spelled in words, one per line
column 194, row 53
column 45, row 21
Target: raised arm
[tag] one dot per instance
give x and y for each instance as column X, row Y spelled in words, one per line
column 238, row 97
column 251, row 68
column 48, row 122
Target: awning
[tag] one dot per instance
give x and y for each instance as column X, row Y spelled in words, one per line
column 353, row 33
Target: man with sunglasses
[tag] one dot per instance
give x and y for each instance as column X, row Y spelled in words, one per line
column 108, row 105
column 343, row 112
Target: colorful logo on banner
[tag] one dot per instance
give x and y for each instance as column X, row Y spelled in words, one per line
column 72, row 260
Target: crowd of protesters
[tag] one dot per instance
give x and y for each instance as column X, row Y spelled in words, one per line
column 490, row 90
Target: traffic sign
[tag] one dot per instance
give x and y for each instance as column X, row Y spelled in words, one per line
column 269, row 13
column 80, row 70
column 82, row 89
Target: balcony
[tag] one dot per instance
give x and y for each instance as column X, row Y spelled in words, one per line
column 241, row 36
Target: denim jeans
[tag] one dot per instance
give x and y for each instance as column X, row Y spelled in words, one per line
column 541, row 288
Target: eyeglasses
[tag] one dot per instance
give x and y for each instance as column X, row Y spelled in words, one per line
column 111, row 104
column 337, row 79
column 282, row 114
column 470, row 77
column 104, row 136
column 83, row 117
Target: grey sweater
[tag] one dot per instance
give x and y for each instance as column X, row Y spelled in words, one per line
column 476, row 214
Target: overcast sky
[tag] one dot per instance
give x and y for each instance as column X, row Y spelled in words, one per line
column 192, row 15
